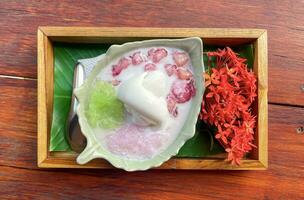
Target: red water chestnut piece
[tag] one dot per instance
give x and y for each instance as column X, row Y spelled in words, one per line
column 157, row 54
column 170, row 69
column 123, row 63
column 180, row 58
column 184, row 74
column 182, row 90
column 172, row 105
column 137, row 58
column 150, row 67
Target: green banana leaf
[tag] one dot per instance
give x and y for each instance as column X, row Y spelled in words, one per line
column 66, row 56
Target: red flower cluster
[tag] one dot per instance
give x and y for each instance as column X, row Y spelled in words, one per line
column 230, row 91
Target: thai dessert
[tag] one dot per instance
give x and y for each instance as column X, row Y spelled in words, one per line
column 140, row 101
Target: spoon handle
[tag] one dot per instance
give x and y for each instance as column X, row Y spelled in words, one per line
column 74, row 136
column 77, row 82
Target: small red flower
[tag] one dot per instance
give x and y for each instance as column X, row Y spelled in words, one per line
column 230, row 91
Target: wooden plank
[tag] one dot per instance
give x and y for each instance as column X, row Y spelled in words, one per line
column 18, row 122
column 57, row 160
column 261, row 69
column 148, row 32
column 42, row 110
column 282, row 20
column 119, row 35
column 113, row 184
column 45, row 94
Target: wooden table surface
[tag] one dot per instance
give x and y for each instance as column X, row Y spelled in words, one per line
column 21, row 179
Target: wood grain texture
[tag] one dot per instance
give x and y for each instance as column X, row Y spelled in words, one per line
column 55, row 31
column 20, row 178
column 283, row 20
column 260, row 68
column 18, row 122
column 154, row 185
column 43, row 124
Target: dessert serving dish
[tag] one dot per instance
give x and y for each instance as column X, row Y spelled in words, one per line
column 130, row 62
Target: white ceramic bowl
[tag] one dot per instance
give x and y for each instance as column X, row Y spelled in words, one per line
column 94, row 150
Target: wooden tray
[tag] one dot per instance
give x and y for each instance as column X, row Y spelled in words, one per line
column 258, row 159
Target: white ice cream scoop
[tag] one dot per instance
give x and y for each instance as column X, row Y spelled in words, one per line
column 144, row 98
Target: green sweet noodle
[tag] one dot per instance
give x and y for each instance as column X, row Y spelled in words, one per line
column 104, row 110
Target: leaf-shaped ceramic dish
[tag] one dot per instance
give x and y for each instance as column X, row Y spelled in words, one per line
column 94, row 150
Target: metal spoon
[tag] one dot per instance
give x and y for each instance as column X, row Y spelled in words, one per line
column 74, row 135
